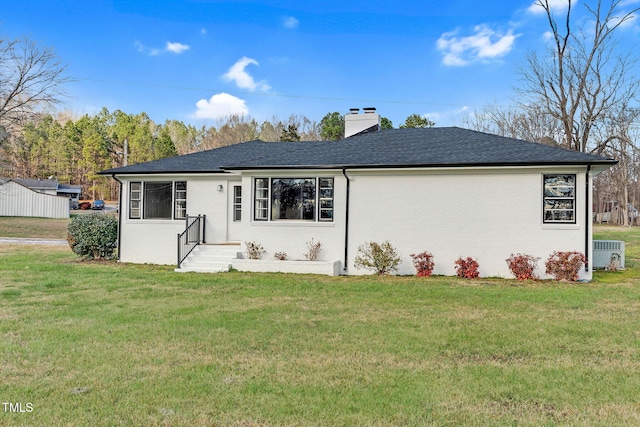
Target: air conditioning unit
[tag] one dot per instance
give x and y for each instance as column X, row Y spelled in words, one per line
column 608, row 254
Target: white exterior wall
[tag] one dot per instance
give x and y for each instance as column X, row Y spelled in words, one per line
column 484, row 214
column 292, row 236
column 17, row 200
column 155, row 241
column 205, row 198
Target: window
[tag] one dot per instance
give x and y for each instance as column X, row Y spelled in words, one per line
column 559, row 204
column 135, row 200
column 181, row 200
column 262, row 199
column 237, row 203
column 306, row 199
column 158, row 200
column 326, row 199
column 293, row 198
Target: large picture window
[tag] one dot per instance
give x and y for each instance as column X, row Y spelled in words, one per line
column 559, row 199
column 158, row 200
column 293, row 198
column 304, row 199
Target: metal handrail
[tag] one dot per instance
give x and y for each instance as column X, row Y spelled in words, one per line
column 191, row 237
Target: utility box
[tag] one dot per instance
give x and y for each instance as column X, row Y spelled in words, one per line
column 608, row 254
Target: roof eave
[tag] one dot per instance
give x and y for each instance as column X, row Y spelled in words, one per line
column 604, row 163
column 112, row 172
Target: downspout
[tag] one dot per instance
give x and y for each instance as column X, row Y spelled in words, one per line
column 119, row 214
column 346, row 225
column 587, row 218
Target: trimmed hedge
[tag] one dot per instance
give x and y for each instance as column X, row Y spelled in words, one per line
column 93, row 236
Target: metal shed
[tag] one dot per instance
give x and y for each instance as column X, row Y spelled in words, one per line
column 18, row 200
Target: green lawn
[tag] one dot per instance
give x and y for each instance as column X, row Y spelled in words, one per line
column 42, row 228
column 103, row 344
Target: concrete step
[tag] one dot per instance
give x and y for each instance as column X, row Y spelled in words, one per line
column 210, row 259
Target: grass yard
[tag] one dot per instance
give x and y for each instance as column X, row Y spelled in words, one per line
column 43, row 228
column 103, row 344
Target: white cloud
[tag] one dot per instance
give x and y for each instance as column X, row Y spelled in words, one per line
column 547, row 35
column 220, row 105
column 290, row 22
column 241, row 78
column 177, row 47
column 485, row 44
column 554, row 5
column 169, row 47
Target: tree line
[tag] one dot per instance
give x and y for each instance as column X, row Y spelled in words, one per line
column 73, row 151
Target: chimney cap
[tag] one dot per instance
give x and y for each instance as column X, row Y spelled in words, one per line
column 354, row 110
column 369, row 110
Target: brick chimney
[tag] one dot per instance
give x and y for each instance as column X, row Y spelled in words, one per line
column 356, row 123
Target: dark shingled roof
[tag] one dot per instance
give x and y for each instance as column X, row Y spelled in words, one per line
column 430, row 147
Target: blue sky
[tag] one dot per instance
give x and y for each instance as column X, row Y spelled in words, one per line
column 198, row 60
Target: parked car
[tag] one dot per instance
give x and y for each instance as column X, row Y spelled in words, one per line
column 84, row 205
column 98, row 204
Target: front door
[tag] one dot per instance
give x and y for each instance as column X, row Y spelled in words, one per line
column 235, row 211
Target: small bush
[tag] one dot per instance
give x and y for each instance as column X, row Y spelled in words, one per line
column 565, row 265
column 523, row 266
column 282, row 256
column 254, row 250
column 93, row 236
column 313, row 250
column 423, row 262
column 467, row 268
column 380, row 258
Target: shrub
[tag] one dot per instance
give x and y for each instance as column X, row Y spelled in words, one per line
column 565, row 265
column 313, row 249
column 423, row 262
column 254, row 250
column 523, row 266
column 282, row 256
column 93, row 236
column 381, row 258
column 467, row 268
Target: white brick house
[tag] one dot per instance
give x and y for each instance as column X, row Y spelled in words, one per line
column 451, row 191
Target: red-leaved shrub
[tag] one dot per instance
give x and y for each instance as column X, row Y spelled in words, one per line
column 467, row 268
column 565, row 265
column 423, row 262
column 523, row 266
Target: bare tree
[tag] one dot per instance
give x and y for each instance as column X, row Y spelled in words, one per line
column 616, row 190
column 527, row 122
column 31, row 79
column 583, row 76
